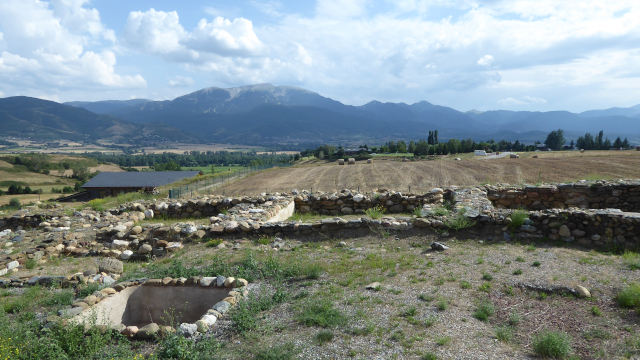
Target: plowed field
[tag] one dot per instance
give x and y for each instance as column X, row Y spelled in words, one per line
column 425, row 175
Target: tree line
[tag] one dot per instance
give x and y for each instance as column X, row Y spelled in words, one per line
column 190, row 158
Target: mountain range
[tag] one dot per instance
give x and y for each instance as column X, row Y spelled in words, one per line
column 266, row 113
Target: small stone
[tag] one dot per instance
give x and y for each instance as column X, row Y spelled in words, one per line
column 438, row 246
column 203, row 327
column 148, row 331
column 91, row 300
column 220, row 281
column 187, row 330
column 108, row 291
column 222, row 307
column 582, row 291
column 342, row 244
column 126, row 255
column 130, row 331
column 70, row 312
column 373, row 286
column 207, row 281
column 209, row 319
column 136, row 230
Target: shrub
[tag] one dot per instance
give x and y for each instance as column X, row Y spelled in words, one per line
column 97, row 204
column 520, row 259
column 30, row 264
column 442, row 304
column 536, row 263
column 375, row 212
column 410, row 311
column 465, row 284
column 484, row 310
column 514, row 318
column 15, row 203
column 518, row 218
column 487, row 277
column 429, row 356
column 517, row 272
column 595, row 311
column 430, row 320
column 324, row 337
column 553, row 344
column 313, row 271
column 629, row 297
column 443, row 340
column 321, row 313
column 459, row 221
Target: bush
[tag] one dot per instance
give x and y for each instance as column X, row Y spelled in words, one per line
column 97, row 204
column 487, row 277
column 629, row 297
column 30, row 264
column 321, row 313
column 313, row 271
column 15, row 203
column 459, row 221
column 504, row 333
column 553, row 344
column 429, row 356
column 632, row 260
column 214, row 242
column 517, row 272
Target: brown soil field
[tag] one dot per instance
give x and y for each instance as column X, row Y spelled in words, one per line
column 425, row 175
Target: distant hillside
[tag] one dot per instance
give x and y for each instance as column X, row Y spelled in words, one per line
column 103, row 107
column 23, row 116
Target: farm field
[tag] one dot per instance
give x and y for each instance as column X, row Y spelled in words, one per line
column 425, row 175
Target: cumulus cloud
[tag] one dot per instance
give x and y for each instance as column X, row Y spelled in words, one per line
column 160, row 33
column 525, row 100
column 181, row 81
column 43, row 48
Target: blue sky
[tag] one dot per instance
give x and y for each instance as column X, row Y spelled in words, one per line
column 534, row 55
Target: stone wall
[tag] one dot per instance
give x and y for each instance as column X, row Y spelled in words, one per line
column 623, row 195
column 347, row 202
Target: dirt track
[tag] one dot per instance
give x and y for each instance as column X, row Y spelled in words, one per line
column 424, row 175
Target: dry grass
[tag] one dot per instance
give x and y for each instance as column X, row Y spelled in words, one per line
column 424, row 175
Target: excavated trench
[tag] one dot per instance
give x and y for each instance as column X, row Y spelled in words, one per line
column 163, row 305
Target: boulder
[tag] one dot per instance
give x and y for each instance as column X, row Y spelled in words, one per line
column 582, row 291
column 148, row 214
column 373, row 286
column 438, row 246
column 126, row 255
column 222, row 307
column 187, row 330
column 145, row 249
column 136, row 230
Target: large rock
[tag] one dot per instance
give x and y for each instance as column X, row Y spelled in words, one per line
column 126, row 255
column 187, row 330
column 148, row 331
column 149, row 214
column 564, row 231
column 136, row 230
column 145, row 249
column 112, row 266
column 222, row 307
column 582, row 291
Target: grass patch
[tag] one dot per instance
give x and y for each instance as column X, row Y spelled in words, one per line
column 517, row 272
column 306, row 217
column 410, row 311
column 536, row 263
column 518, row 218
column 553, row 344
column 629, row 297
column 97, row 204
column 595, row 311
column 484, row 310
column 30, row 264
column 213, row 242
column 459, row 221
column 375, row 212
column 520, row 259
column 504, row 333
column 487, row 277
column 244, row 316
column 465, row 284
column 321, row 313
column 442, row 304
column 286, row 351
column 631, row 259
column 443, row 340
column 514, row 318
column 430, row 320
column 324, row 337
column 429, row 356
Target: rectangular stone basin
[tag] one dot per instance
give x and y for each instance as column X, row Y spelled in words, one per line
column 141, row 305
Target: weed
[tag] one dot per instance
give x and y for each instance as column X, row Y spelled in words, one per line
column 553, row 344
column 263, row 240
column 536, row 263
column 507, row 262
column 425, row 297
column 443, row 340
column 375, row 212
column 313, row 271
column 214, row 242
column 429, row 356
column 597, row 334
column 324, row 337
column 301, row 217
column 487, row 277
column 486, row 287
column 518, row 218
column 483, row 310
column 410, row 311
column 440, row 211
column 542, row 296
column 480, row 261
column 244, row 315
column 417, row 212
column 30, row 264
column 286, row 351
column 514, row 318
column 321, row 313
column 520, row 259
column 504, row 333
column 629, row 297
column 531, row 248
column 442, row 304
column 595, row 311
column 439, row 281
column 459, row 221
column 465, row 284
column 430, row 320
column 632, row 260
column 97, row 204
column 517, row 272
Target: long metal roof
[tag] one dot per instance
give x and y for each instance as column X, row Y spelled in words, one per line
column 137, row 179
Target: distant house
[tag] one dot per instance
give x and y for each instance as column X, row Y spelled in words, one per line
column 114, row 183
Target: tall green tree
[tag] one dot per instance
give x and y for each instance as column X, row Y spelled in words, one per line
column 555, row 139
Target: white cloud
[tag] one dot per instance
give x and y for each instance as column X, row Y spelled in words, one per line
column 486, row 60
column 340, row 9
column 525, row 100
column 43, row 48
column 160, row 33
column 181, row 81
column 271, row 8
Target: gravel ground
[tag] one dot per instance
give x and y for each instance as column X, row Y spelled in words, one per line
column 407, row 269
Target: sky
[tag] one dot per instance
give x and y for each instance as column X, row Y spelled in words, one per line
column 529, row 55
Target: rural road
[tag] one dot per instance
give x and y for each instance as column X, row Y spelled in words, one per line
column 502, row 154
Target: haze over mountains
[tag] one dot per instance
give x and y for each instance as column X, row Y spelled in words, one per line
column 265, row 113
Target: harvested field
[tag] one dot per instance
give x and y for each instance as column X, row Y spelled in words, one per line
column 425, row 175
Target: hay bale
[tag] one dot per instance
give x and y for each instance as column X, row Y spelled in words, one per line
column 581, row 151
column 340, row 161
column 369, row 161
column 352, row 161
column 535, row 156
column 514, row 156
column 405, row 160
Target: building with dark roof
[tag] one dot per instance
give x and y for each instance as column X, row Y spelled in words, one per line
column 114, row 183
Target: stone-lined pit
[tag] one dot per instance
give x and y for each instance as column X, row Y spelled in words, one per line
column 141, row 305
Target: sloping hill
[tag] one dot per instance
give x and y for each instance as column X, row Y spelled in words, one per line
column 103, row 107
column 23, row 116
